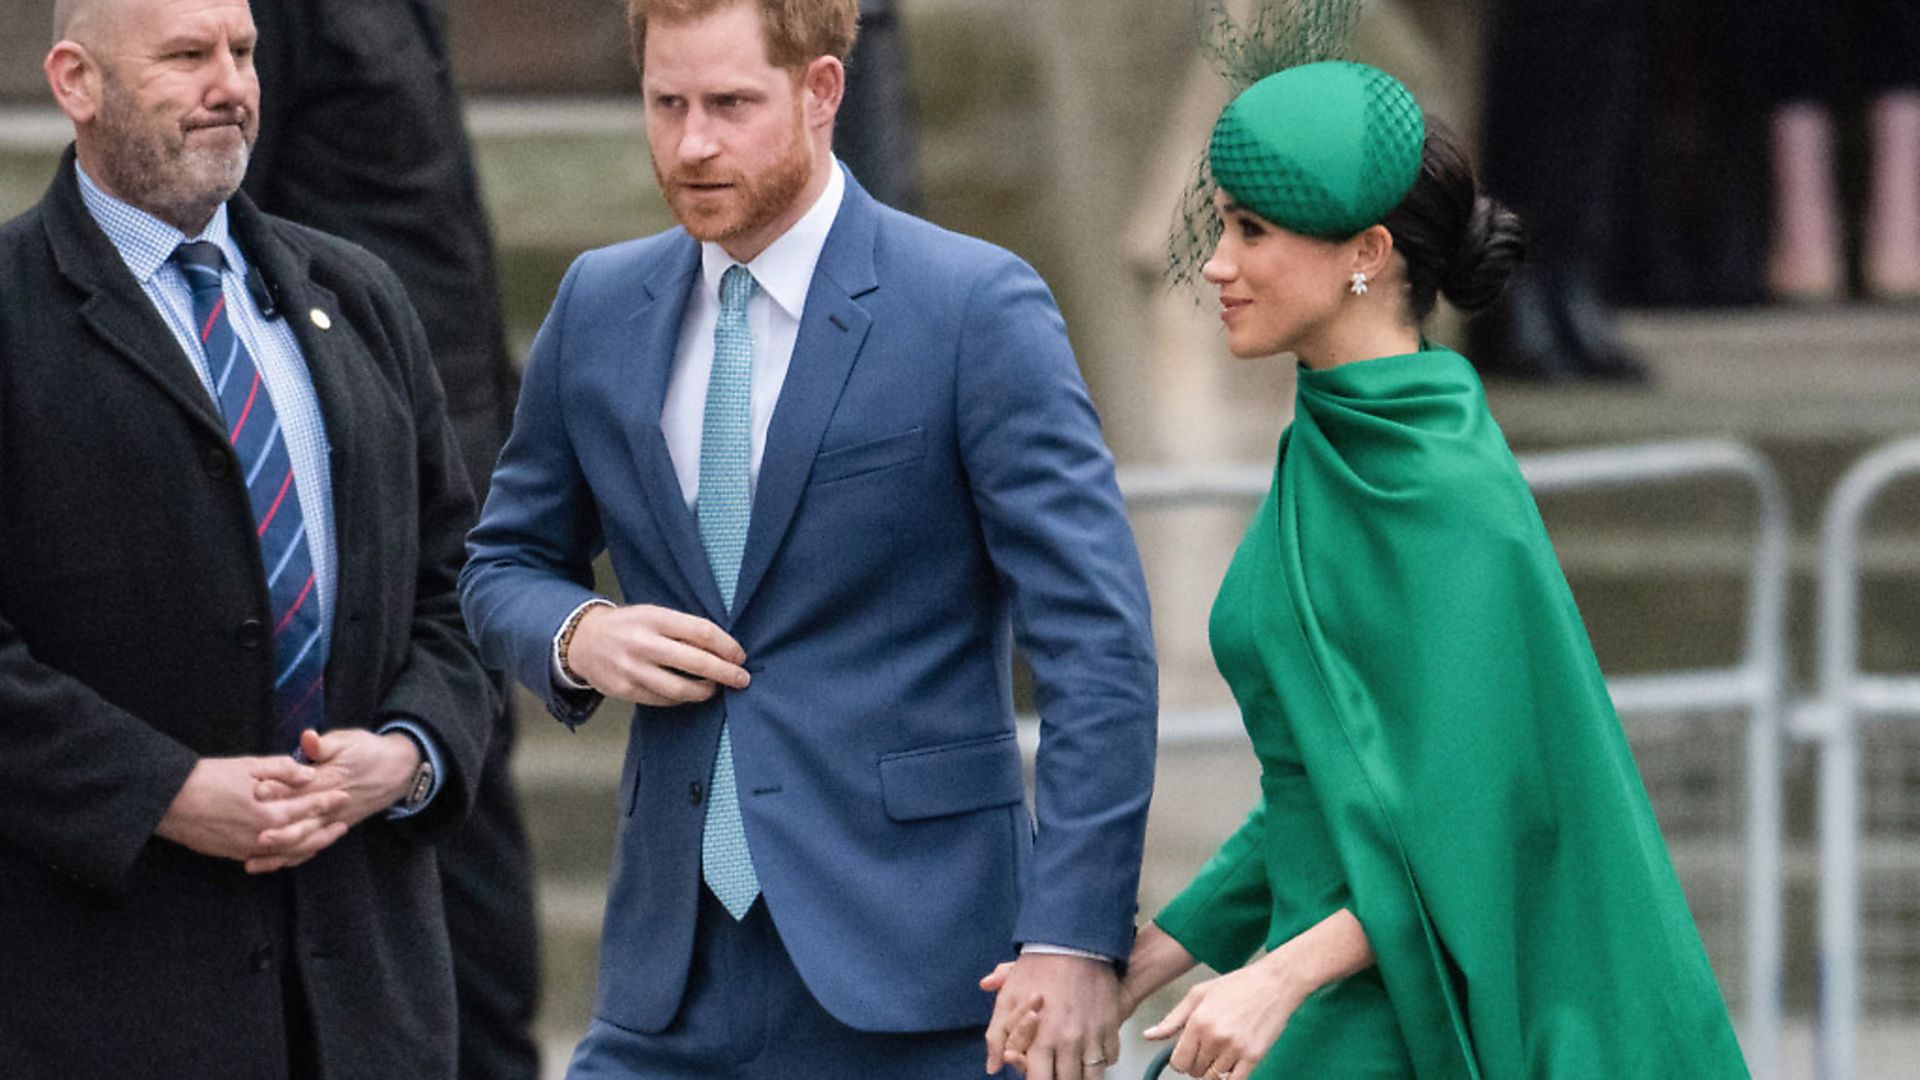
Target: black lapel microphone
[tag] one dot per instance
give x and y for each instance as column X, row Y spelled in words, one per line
column 262, row 293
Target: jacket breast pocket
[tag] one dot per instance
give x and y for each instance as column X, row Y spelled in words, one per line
column 871, row 456
column 952, row 778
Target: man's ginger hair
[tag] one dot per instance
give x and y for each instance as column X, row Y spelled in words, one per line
column 796, row 31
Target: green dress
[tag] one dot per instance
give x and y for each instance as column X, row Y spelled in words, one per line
column 1439, row 755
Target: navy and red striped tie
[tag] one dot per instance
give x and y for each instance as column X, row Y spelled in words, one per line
column 299, row 638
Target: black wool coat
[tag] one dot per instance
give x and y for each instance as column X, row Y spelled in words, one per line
column 132, row 600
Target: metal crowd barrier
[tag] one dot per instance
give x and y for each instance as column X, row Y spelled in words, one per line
column 1755, row 685
column 1847, row 696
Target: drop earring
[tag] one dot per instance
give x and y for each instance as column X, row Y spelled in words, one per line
column 1359, row 286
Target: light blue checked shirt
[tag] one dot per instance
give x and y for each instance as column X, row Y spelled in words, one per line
column 146, row 244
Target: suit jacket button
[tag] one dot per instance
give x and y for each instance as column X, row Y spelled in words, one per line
column 695, row 793
column 262, row 958
column 216, row 463
column 251, row 634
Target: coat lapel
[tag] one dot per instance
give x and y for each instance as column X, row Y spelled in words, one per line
column 116, row 308
column 832, row 329
column 649, row 340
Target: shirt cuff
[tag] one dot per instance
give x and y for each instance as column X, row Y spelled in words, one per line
column 561, row 679
column 1043, row 949
column 427, row 750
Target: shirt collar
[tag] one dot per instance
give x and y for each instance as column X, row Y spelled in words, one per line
column 784, row 271
column 144, row 242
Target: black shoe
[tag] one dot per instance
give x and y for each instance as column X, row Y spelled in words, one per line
column 1587, row 326
column 1520, row 337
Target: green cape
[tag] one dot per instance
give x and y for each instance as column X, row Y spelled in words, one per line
column 1479, row 793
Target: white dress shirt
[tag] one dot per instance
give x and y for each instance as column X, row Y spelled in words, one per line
column 784, row 273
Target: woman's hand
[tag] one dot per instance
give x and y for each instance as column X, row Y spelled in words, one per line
column 1227, row 1025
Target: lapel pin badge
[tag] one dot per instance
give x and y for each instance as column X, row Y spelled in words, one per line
column 320, row 319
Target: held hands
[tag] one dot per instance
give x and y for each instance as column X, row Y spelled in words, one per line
column 653, row 655
column 1156, row 960
column 1077, row 1033
column 1226, row 1026
column 272, row 813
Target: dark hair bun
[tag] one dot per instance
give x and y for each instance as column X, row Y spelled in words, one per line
column 1491, row 246
column 1457, row 242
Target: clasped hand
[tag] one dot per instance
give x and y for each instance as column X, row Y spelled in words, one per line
column 1055, row 1016
column 272, row 813
column 651, row 655
column 1225, row 1025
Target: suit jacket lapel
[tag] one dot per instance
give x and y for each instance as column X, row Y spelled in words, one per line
column 648, row 343
column 832, row 329
column 116, row 308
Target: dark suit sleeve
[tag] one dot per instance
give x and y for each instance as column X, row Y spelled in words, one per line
column 1051, row 512
column 83, row 783
column 442, row 686
column 531, row 557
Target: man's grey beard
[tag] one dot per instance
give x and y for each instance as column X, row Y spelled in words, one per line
column 181, row 187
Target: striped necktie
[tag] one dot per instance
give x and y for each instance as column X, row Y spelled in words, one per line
column 299, row 639
column 723, row 506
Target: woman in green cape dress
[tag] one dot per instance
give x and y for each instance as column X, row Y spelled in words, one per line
column 1453, row 869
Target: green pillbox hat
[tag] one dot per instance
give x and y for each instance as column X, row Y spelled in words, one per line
column 1322, row 149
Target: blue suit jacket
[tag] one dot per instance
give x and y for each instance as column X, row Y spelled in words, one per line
column 934, row 484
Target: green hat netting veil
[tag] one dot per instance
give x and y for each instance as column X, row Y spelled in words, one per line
column 1319, row 147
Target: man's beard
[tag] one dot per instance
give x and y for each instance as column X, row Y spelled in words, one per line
column 159, row 172
column 754, row 201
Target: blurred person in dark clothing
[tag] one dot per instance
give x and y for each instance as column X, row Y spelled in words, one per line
column 362, row 137
column 877, row 135
column 1560, row 77
column 1823, row 59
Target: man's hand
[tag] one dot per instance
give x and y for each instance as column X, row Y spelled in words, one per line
column 1062, row 1012
column 218, row 812
column 653, row 655
column 374, row 770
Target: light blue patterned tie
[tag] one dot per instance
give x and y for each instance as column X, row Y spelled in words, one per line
column 724, row 505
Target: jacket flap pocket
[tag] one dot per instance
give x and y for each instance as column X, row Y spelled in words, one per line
column 870, row 456
column 952, row 779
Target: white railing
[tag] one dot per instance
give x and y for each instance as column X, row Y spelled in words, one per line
column 1846, row 697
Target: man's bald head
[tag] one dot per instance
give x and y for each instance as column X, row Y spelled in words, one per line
column 80, row 21
column 69, row 15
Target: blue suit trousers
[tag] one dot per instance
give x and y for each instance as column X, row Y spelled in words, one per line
column 748, row 1016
